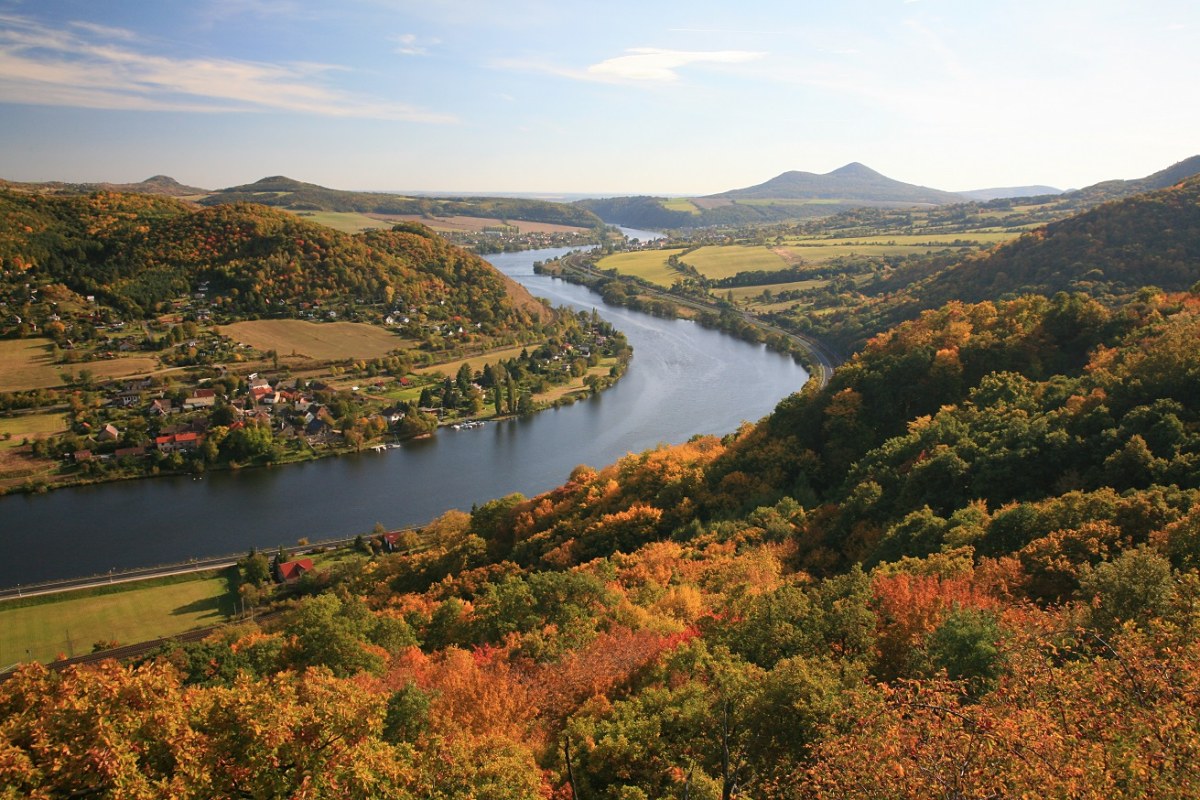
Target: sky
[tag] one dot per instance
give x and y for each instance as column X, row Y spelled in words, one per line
column 600, row 98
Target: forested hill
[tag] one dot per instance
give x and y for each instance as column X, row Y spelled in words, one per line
column 296, row 195
column 972, row 557
column 1117, row 247
column 137, row 253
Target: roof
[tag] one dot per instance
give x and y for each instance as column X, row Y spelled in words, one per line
column 291, row 570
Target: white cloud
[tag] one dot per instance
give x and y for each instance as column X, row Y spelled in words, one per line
column 638, row 65
column 85, row 68
column 409, row 44
column 661, row 66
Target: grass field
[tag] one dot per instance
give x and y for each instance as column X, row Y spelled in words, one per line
column 650, row 265
column 345, row 221
column 450, row 368
column 680, row 204
column 25, row 364
column 725, row 262
column 71, row 622
column 742, row 293
column 32, row 426
column 323, row 341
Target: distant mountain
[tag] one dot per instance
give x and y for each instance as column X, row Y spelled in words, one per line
column 854, row 181
column 159, row 185
column 1006, row 192
column 789, row 196
column 283, row 192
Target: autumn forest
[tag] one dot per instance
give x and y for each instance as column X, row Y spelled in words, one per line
column 968, row 567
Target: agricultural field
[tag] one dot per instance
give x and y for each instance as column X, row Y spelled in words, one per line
column 321, row 341
column 71, row 622
column 344, row 221
column 650, row 265
column 725, row 262
column 13, row 430
column 743, row 294
column 26, row 364
column 680, row 204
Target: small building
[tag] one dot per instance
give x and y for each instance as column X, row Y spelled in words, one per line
column 109, row 433
column 289, row 571
column 201, row 398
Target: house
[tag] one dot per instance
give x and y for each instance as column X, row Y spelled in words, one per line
column 82, row 455
column 174, row 442
column 201, row 398
column 109, row 433
column 288, row 571
column 161, row 407
column 130, row 452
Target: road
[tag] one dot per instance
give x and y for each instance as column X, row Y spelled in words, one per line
column 146, row 573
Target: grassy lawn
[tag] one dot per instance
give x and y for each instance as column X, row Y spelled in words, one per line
column 650, row 265
column 33, row 426
column 40, row 628
column 324, row 341
column 725, row 262
column 25, row 364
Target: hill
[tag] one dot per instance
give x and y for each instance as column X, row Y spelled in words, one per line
column 1117, row 189
column 854, row 182
column 158, row 184
column 973, row 556
column 137, row 253
column 282, row 192
column 790, row 196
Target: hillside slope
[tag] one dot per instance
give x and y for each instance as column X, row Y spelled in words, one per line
column 136, row 253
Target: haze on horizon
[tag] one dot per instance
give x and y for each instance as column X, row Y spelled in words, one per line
column 533, row 96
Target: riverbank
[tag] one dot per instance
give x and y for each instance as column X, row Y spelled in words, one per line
column 579, row 268
column 684, row 381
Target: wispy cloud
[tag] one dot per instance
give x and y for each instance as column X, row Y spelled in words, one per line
column 639, row 65
column 409, row 44
column 90, row 66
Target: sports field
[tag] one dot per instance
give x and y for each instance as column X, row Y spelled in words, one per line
column 71, row 622
column 323, row 341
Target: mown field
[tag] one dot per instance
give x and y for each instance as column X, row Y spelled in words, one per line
column 26, row 364
column 322, row 341
column 71, row 622
column 650, row 265
column 725, row 262
column 344, row 221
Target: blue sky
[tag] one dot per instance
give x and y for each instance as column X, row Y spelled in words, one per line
column 608, row 97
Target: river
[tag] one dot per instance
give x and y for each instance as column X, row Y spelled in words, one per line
column 683, row 380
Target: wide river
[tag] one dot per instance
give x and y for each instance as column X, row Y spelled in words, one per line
column 683, row 380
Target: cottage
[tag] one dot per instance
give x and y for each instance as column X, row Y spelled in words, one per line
column 288, row 571
column 109, row 433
